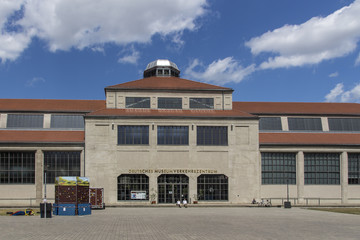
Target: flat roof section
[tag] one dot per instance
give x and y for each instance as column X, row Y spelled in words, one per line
column 298, row 108
column 162, row 113
column 14, row 136
column 281, row 139
column 50, row 105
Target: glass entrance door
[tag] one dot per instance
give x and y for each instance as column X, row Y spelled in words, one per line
column 172, row 187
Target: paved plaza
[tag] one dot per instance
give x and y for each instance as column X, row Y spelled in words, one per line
column 186, row 223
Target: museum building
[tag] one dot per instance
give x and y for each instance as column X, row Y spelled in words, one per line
column 163, row 138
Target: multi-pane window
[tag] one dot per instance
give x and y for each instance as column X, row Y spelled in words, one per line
column 202, row 103
column 212, row 135
column 270, row 123
column 170, row 103
column 128, row 183
column 322, row 168
column 137, row 102
column 278, row 168
column 17, row 167
column 61, row 164
column 25, row 121
column 133, row 135
column 173, row 135
column 305, row 124
column 67, row 121
column 212, row 187
column 354, row 168
column 344, row 124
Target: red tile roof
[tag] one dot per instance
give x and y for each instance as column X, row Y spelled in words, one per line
column 309, row 138
column 50, row 105
column 167, row 83
column 171, row 113
column 14, row 136
column 278, row 108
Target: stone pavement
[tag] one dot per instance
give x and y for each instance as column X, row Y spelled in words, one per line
column 186, row 223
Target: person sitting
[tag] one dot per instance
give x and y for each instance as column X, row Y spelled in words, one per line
column 178, row 203
column 185, row 203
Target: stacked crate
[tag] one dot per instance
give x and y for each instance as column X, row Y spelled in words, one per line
column 83, row 204
column 71, row 196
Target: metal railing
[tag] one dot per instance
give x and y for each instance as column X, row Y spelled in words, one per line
column 312, row 201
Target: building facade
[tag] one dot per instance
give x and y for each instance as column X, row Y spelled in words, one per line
column 162, row 138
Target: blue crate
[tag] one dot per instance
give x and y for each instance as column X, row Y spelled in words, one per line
column 66, row 209
column 55, row 209
column 84, row 209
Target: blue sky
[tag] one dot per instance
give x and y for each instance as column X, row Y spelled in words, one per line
column 279, row 50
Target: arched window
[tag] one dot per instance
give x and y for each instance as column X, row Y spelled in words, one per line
column 133, row 187
column 212, row 187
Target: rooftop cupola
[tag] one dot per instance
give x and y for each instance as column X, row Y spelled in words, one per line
column 161, row 68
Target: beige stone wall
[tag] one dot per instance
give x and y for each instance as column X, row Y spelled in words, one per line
column 310, row 194
column 117, row 99
column 105, row 160
column 32, row 194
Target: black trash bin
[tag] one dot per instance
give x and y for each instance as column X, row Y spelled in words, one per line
column 48, row 210
column 287, row 204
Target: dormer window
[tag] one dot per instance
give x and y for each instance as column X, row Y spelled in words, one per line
column 137, row 102
column 202, row 103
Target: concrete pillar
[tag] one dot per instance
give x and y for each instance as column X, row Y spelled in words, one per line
column 153, row 188
column 39, row 165
column 82, row 164
column 3, row 120
column 193, row 188
column 300, row 176
column 325, row 124
column 47, row 121
column 284, row 123
column 344, row 177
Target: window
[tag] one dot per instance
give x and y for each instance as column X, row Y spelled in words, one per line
column 207, row 103
column 344, row 124
column 212, row 187
column 170, row 103
column 137, row 102
column 217, row 136
column 17, row 167
column 278, row 168
column 305, row 124
column 132, row 182
column 61, row 164
column 173, row 135
column 133, row 135
column 354, row 168
column 270, row 123
column 322, row 168
column 25, row 121
column 67, row 121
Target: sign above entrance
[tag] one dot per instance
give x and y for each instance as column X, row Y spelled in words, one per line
column 173, row 171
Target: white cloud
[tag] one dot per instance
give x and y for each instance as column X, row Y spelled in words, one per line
column 131, row 57
column 357, row 61
column 219, row 72
column 66, row 24
column 35, row 80
column 339, row 95
column 318, row 39
column 334, row 74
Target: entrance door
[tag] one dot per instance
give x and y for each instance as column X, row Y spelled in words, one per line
column 172, row 187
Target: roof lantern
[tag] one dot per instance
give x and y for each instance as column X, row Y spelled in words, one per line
column 161, row 67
